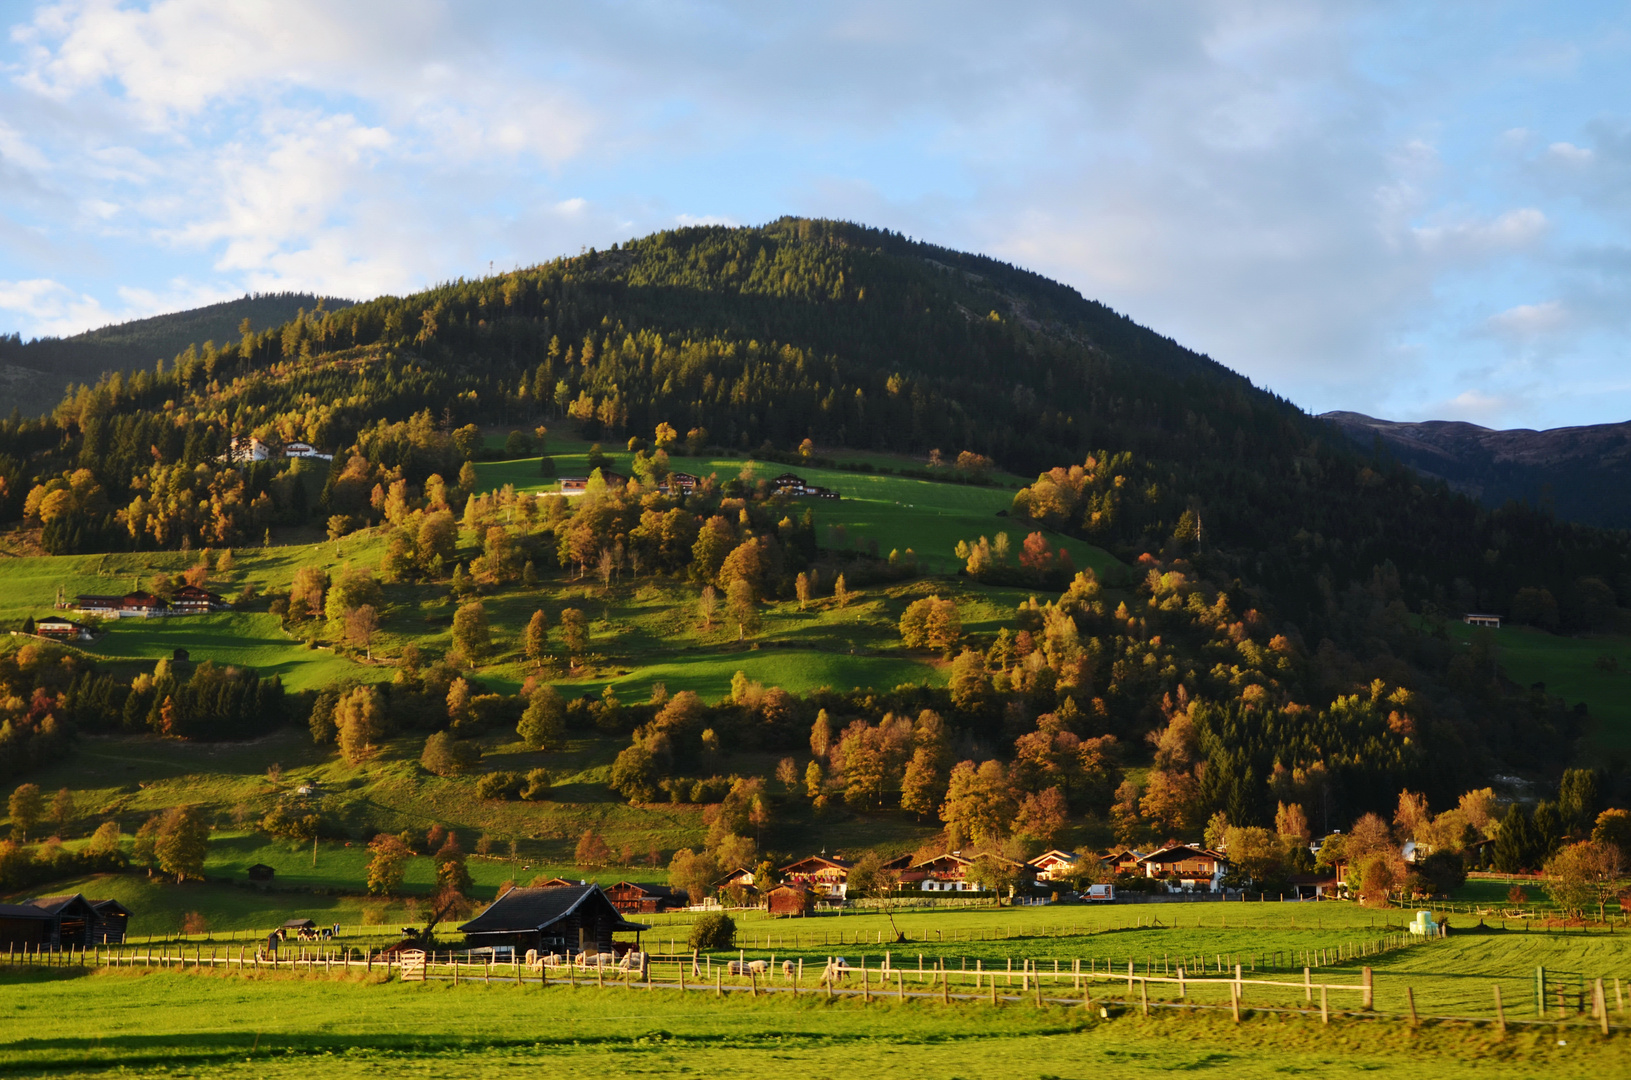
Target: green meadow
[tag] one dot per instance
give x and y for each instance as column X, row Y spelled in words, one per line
column 154, row 1021
column 1594, row 669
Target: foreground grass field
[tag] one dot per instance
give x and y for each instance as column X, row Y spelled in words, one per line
column 161, row 1023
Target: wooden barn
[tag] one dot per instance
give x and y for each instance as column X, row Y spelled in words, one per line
column 63, row 922
column 577, row 919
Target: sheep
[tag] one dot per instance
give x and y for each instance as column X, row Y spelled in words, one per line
column 746, row 967
column 837, row 970
column 788, row 968
column 633, row 961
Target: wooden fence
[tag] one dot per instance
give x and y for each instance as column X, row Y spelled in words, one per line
column 1145, row 991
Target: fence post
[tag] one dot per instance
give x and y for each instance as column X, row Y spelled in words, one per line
column 1308, row 986
column 1540, row 992
column 1325, row 1009
column 1410, row 996
column 1500, row 1012
column 1367, row 997
column 1599, row 1004
column 1234, row 1000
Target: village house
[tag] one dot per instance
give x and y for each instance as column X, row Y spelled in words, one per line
column 740, row 878
column 792, row 484
column 246, row 449
column 1184, row 867
column 135, row 605
column 943, row 873
column 191, row 600
column 1123, row 862
column 680, row 481
column 59, row 629
column 644, row 898
column 305, row 450
column 828, row 878
column 572, row 919
column 1053, row 865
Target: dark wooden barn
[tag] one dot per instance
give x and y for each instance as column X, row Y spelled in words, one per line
column 643, row 898
column 63, row 922
column 576, row 919
column 793, row 899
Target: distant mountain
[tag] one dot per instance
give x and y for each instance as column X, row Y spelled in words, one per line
column 33, row 374
column 1580, row 473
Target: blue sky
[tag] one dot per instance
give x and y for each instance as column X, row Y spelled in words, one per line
column 1416, row 211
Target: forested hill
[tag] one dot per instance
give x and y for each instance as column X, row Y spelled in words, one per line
column 35, row 372
column 831, row 332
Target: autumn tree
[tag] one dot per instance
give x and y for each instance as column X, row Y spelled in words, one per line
column 543, row 724
column 361, row 623
column 575, row 632
column 471, row 634
column 389, row 865
column 592, row 850
column 63, row 811
column 744, row 607
column 537, row 637
column 1042, row 817
column 931, row 623
column 979, row 804
column 359, row 721
column 181, row 842
column 27, row 805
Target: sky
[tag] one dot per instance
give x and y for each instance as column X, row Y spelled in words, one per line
column 1413, row 211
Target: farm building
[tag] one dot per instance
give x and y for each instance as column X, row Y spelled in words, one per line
column 63, row 922
column 59, row 629
column 577, row 485
column 943, row 873
column 1183, row 866
column 1491, row 621
column 680, row 481
column 260, row 872
column 191, row 600
column 305, row 450
column 1053, row 865
column 793, row 484
column 136, row 605
column 575, row 919
column 825, row 876
column 557, row 883
column 791, row 900
column 643, row 897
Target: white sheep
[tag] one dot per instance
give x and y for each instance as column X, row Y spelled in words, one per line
column 746, row 967
column 788, row 968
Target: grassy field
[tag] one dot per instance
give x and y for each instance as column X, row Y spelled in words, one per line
column 1569, row 667
column 895, row 511
column 151, row 1021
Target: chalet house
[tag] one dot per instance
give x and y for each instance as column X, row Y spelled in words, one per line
column 557, row 883
column 828, row 878
column 578, row 485
column 1186, row 867
column 1053, row 865
column 136, row 605
column 191, row 600
column 1491, row 621
column 1125, row 861
column 943, row 873
column 643, row 898
column 791, row 484
column 580, row 918
column 681, row 481
column 59, row 629
column 247, row 448
column 792, row 900
column 63, row 922
column 305, row 450
column 739, row 878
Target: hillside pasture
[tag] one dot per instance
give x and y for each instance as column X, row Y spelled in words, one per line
column 1574, row 669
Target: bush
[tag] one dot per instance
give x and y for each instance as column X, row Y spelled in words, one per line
column 537, row 787
column 713, row 931
column 501, row 785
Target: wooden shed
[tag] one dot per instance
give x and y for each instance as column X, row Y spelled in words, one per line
column 260, row 872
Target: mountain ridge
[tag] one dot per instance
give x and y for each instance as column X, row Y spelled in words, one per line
column 1581, row 472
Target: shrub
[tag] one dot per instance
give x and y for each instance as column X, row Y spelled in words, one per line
column 537, row 788
column 713, row 931
column 501, row 785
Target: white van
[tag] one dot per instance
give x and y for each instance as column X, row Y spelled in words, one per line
column 1101, row 892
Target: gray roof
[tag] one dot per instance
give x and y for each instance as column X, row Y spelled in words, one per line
column 536, row 909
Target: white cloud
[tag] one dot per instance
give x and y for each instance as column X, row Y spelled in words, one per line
column 1570, row 153
column 1473, row 406
column 1526, row 321
column 1511, row 231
